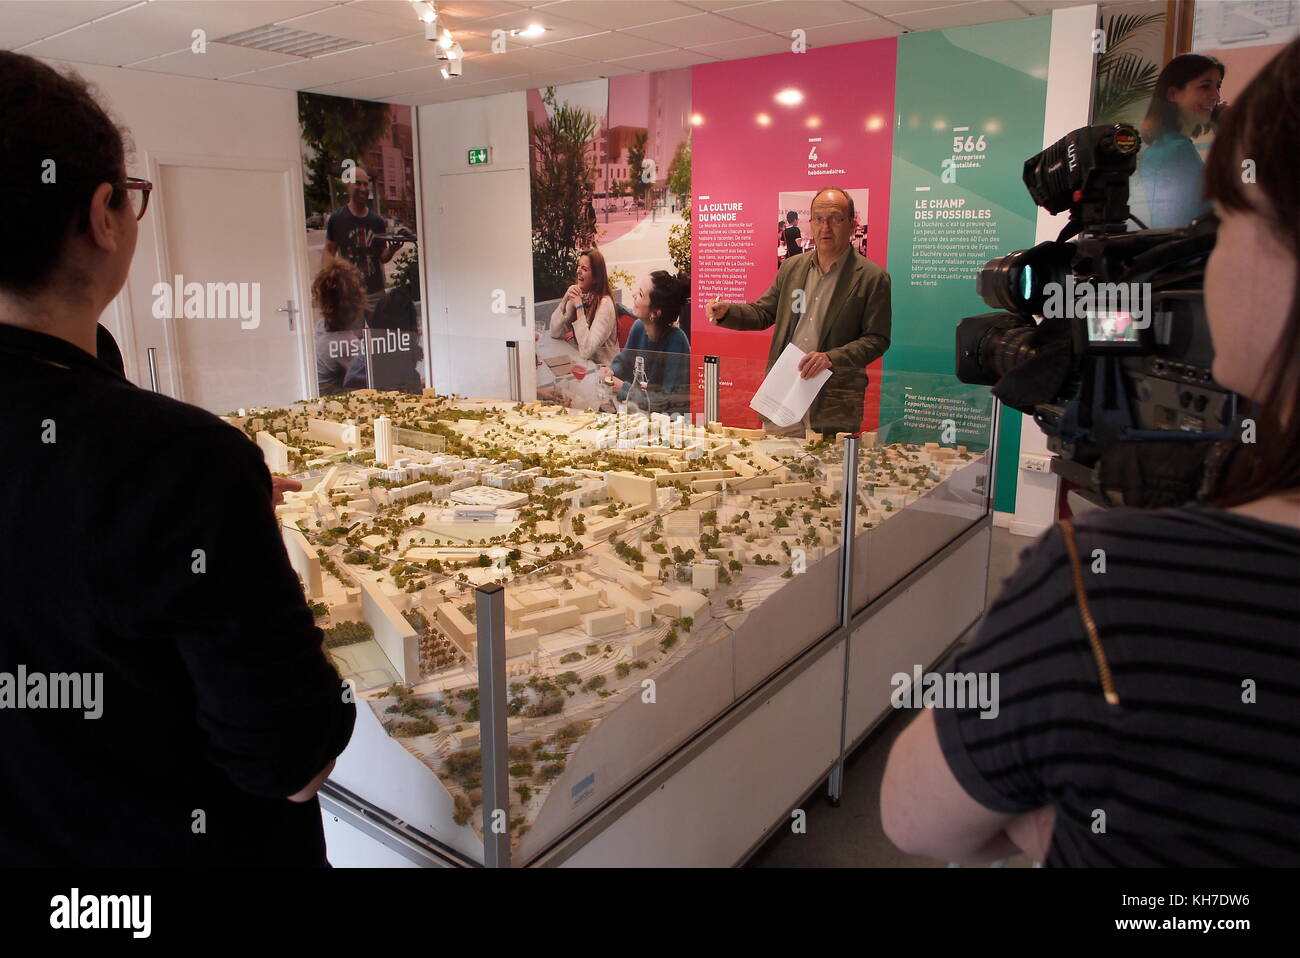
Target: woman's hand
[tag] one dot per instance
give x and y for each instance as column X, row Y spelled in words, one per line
column 573, row 295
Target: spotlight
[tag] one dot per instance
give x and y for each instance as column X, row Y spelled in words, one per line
column 455, row 62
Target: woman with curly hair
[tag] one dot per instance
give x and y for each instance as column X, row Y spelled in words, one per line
column 340, row 295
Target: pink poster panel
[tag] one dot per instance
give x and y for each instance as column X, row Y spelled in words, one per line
column 768, row 133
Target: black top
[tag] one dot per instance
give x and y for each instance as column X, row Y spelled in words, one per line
column 1198, row 612
column 138, row 540
column 355, row 236
column 791, row 237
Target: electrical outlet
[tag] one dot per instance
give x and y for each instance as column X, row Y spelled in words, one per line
column 1031, row 462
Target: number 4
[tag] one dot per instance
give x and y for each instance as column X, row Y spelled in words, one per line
column 812, row 154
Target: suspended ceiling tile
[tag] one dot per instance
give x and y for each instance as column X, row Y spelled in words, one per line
column 221, row 60
column 23, row 23
column 701, row 28
column 740, row 49
column 963, row 15
column 872, row 28
column 784, row 17
column 357, row 24
column 151, row 30
column 672, row 60
column 606, row 46
column 609, row 15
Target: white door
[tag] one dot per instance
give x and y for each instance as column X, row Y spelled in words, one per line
column 485, row 257
column 226, row 226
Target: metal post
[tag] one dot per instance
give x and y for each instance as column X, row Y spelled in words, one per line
column 153, row 369
column 848, row 538
column 990, row 484
column 370, row 372
column 490, row 607
column 512, row 369
column 712, row 383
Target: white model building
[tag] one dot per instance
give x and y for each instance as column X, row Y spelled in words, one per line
column 384, row 440
column 275, row 452
column 488, row 497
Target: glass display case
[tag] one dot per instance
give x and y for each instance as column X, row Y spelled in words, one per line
column 658, row 569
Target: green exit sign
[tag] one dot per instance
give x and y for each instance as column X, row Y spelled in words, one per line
column 478, row 156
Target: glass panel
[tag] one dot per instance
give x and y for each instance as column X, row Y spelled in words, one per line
column 657, row 568
column 923, row 476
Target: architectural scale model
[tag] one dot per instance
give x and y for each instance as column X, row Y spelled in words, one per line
column 626, row 544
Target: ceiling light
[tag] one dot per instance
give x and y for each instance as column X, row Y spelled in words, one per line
column 789, row 97
column 424, row 10
column 763, row 120
column 532, row 30
column 696, row 119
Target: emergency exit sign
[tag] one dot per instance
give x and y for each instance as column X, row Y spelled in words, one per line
column 478, row 156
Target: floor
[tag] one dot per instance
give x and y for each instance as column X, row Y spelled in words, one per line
column 850, row 836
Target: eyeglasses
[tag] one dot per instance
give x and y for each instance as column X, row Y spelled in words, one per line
column 835, row 220
column 138, row 192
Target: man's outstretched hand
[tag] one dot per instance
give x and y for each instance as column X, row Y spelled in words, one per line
column 280, row 485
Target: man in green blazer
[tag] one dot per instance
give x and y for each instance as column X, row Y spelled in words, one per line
column 831, row 302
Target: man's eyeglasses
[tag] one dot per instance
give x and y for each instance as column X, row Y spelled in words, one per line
column 835, row 219
column 137, row 191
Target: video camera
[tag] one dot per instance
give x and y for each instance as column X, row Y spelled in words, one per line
column 1118, row 372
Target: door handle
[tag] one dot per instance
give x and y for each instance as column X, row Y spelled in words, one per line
column 289, row 308
column 523, row 311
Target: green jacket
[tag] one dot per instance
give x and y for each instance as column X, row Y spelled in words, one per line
column 855, row 331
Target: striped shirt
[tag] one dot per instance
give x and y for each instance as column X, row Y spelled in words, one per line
column 1198, row 613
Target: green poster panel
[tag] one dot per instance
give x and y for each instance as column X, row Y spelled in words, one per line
column 970, row 105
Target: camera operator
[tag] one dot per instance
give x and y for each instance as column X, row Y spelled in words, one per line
column 1149, row 661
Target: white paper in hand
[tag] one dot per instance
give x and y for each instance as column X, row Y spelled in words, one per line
column 784, row 396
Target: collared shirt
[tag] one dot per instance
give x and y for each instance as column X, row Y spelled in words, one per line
column 818, row 291
column 140, row 553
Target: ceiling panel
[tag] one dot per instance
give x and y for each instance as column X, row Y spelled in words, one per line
column 383, row 87
column 21, row 23
column 739, row 49
column 1039, row 7
column 537, row 58
column 356, row 24
column 606, row 46
column 784, row 17
column 591, row 71
column 151, row 30
column 890, row 8
column 557, row 27
column 964, row 15
column 488, row 66
column 610, row 15
column 367, row 62
column 717, row 6
column 672, row 60
column 221, row 60
column 701, row 28
column 872, row 28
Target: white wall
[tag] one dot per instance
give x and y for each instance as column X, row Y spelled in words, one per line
column 447, row 131
column 1069, row 106
column 183, row 115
